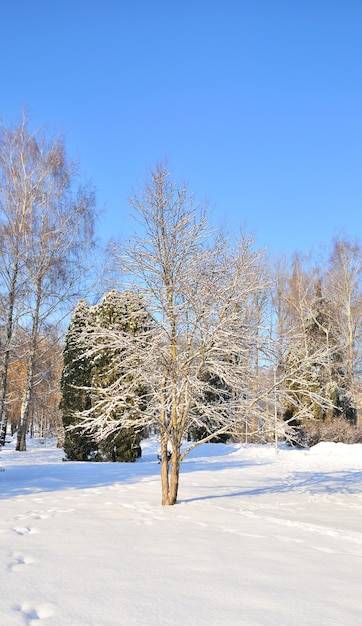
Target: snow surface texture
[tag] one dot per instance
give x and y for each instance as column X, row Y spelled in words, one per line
column 257, row 538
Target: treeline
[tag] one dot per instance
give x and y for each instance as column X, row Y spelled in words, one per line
column 234, row 345
column 318, row 323
column 310, row 319
column 203, row 336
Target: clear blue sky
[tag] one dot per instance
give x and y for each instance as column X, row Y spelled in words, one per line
column 257, row 103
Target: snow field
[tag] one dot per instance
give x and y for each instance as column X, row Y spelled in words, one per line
column 257, row 539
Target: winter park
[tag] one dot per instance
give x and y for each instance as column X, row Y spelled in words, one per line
column 257, row 538
column 180, row 313
column 190, row 452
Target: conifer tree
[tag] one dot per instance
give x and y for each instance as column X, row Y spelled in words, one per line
column 329, row 374
column 315, row 373
column 117, row 313
column 76, row 377
column 92, row 370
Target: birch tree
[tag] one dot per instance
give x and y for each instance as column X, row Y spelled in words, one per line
column 14, row 216
column 48, row 219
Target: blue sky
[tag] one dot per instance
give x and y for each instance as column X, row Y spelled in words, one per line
column 257, row 104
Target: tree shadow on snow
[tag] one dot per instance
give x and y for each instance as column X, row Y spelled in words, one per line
column 344, row 482
column 20, row 480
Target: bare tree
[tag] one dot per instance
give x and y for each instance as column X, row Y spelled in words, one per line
column 343, row 282
column 308, row 352
column 199, row 290
column 14, row 212
column 47, row 225
column 45, row 418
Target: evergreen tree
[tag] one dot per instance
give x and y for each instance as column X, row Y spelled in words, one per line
column 330, row 374
column 117, row 313
column 76, row 378
column 92, row 369
column 316, row 377
column 215, row 392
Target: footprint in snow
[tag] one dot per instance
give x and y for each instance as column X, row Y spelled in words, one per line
column 32, row 614
column 18, row 561
column 25, row 530
column 42, row 514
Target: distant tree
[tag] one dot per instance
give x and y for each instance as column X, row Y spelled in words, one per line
column 281, row 305
column 343, row 280
column 45, row 420
column 313, row 372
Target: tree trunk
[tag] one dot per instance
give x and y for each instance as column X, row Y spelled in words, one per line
column 4, row 428
column 175, row 474
column 164, row 470
column 23, row 426
column 29, row 386
column 169, row 479
column 8, row 338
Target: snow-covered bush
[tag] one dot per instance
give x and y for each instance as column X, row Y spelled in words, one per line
column 338, row 430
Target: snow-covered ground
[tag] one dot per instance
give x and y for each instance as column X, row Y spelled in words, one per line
column 257, row 538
